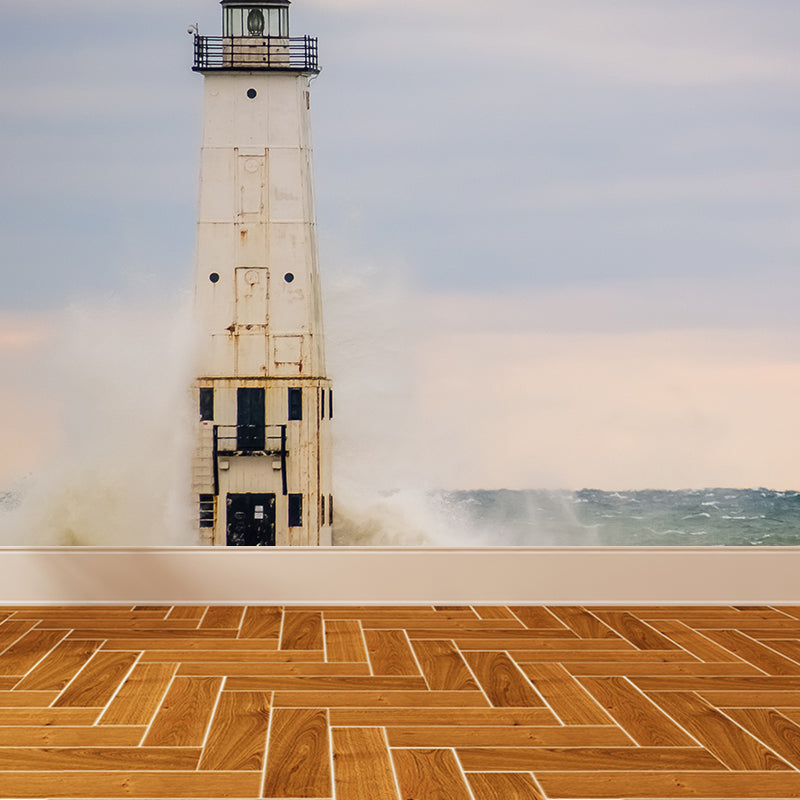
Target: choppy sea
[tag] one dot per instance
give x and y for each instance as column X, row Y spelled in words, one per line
column 702, row 518
column 592, row 518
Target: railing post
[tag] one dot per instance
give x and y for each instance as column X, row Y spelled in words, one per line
column 283, row 460
column 215, row 458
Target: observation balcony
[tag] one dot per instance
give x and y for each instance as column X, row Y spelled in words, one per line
column 256, row 53
column 249, row 440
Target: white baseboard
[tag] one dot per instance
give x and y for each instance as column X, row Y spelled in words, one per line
column 446, row 576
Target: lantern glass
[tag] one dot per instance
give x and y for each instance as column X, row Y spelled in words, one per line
column 256, row 20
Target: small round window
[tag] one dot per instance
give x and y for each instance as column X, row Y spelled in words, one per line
column 214, row 277
column 252, row 93
column 288, row 277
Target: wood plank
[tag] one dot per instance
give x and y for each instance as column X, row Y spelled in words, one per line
column 790, row 713
column 422, row 699
column 12, row 630
column 503, row 786
column 717, row 683
column 344, row 640
column 698, row 645
column 96, row 683
column 28, row 650
column 464, row 634
column 638, row 633
column 132, row 784
column 237, row 738
column 616, row 645
column 509, row 736
column 263, row 657
column 222, row 617
column 483, row 759
column 755, row 653
column 362, row 766
column 773, row 729
column 111, row 616
column 302, row 630
column 254, row 669
column 718, row 734
column 140, row 696
column 639, row 717
column 128, row 626
column 261, row 622
column 135, row 636
column 70, row 736
column 752, row 699
column 442, row 624
column 50, row 716
column 582, row 623
column 790, row 626
column 390, row 653
column 443, row 666
column 590, row 656
column 322, row 683
column 187, row 612
column 298, row 755
column 59, row 666
column 26, row 699
column 494, row 612
column 97, row 758
column 187, row 646
column 630, row 670
column 185, row 712
column 568, row 699
column 408, row 717
column 430, row 774
column 536, row 617
column 502, row 680
column 674, row 784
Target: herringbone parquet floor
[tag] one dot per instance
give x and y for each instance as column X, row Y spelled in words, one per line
column 400, row 703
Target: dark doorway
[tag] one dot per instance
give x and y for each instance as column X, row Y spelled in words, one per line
column 250, row 419
column 251, row 520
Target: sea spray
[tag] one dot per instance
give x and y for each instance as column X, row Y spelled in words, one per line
column 116, row 465
column 373, row 331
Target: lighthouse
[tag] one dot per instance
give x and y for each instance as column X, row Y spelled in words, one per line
column 261, row 469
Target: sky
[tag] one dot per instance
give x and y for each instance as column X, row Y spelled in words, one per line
column 559, row 238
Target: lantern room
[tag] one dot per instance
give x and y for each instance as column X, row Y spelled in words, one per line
column 255, row 19
column 255, row 36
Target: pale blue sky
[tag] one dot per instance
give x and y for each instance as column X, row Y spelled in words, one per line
column 471, row 146
column 591, row 206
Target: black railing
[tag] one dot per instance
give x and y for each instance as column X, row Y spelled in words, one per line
column 246, row 440
column 246, row 53
column 250, row 440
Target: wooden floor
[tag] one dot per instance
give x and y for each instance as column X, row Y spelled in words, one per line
column 400, row 703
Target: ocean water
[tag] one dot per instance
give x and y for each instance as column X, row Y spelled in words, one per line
column 586, row 518
column 590, row 518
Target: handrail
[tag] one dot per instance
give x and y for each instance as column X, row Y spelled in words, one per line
column 261, row 434
column 248, row 53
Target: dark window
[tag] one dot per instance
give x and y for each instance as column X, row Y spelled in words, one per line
column 322, row 509
column 206, row 404
column 330, row 509
column 295, row 404
column 295, row 511
column 214, row 277
column 330, row 403
column 206, row 510
column 322, row 412
column 252, row 94
column 250, row 419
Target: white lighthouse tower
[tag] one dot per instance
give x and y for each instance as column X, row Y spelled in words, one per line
column 261, row 470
